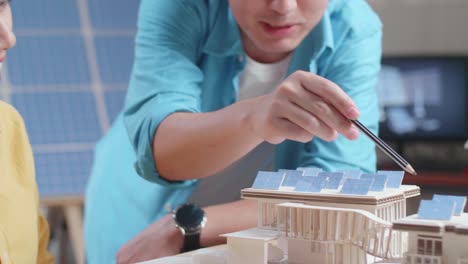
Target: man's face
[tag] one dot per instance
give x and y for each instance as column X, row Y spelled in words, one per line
column 270, row 28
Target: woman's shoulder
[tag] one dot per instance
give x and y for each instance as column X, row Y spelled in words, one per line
column 9, row 113
column 11, row 121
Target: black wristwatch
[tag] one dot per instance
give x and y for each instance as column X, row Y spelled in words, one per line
column 190, row 219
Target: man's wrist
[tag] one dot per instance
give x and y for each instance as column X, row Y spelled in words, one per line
column 190, row 220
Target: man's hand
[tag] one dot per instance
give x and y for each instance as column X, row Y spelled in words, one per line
column 160, row 239
column 301, row 107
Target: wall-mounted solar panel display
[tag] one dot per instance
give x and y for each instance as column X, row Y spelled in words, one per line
column 68, row 77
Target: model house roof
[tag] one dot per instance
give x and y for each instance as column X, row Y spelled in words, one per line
column 344, row 186
column 313, row 180
column 444, row 213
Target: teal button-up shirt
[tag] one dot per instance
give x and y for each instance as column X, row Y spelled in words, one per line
column 188, row 57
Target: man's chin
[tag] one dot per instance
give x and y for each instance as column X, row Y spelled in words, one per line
column 281, row 45
column 280, row 48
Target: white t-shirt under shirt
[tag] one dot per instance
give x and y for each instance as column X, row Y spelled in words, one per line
column 255, row 80
column 261, row 78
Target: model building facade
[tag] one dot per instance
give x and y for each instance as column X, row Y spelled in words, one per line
column 438, row 234
column 330, row 217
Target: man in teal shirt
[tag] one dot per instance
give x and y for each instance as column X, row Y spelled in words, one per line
column 185, row 122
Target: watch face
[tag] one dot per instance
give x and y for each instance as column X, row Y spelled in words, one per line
column 189, row 216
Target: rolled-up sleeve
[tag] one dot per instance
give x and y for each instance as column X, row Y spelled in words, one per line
column 165, row 77
column 354, row 66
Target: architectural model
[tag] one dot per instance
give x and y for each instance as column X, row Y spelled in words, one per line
column 307, row 216
column 323, row 217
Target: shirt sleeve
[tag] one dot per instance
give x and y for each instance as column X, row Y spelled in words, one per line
column 354, row 66
column 165, row 76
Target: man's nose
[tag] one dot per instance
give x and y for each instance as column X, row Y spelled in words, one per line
column 7, row 37
column 283, row 6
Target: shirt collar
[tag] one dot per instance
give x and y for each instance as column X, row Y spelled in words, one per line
column 225, row 40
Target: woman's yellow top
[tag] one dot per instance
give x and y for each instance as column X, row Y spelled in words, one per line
column 24, row 232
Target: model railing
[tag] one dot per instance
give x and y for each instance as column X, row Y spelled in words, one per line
column 419, row 258
column 336, row 225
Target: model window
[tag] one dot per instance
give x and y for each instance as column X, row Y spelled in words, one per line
column 421, row 246
column 438, row 248
column 429, row 247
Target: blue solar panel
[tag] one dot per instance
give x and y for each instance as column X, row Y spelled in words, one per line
column 48, row 60
column 113, row 14
column 291, row 177
column 460, row 201
column 394, row 178
column 114, row 102
column 436, row 210
column 115, row 62
column 351, row 173
column 62, row 173
column 333, row 179
column 367, row 176
column 50, row 14
column 311, row 184
column 66, row 106
column 268, row 180
column 59, row 117
column 310, row 171
column 304, row 184
column 356, row 186
column 379, row 184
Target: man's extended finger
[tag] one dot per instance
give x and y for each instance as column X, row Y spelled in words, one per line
column 331, row 93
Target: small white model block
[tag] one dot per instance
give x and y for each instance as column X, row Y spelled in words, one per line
column 253, row 246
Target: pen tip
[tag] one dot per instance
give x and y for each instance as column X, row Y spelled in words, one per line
column 410, row 169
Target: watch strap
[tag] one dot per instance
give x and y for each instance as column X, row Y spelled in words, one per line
column 191, row 242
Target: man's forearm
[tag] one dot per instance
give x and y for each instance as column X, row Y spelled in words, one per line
column 227, row 218
column 197, row 145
